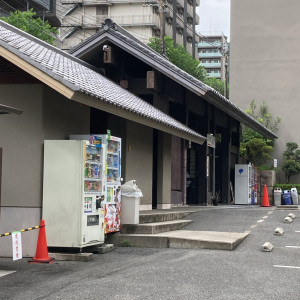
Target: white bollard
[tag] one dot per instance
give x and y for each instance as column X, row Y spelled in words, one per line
column 267, row 247
column 288, row 220
column 292, row 216
column 278, row 231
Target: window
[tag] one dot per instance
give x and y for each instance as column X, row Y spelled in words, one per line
column 101, row 10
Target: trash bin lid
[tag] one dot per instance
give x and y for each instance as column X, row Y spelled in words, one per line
column 131, row 189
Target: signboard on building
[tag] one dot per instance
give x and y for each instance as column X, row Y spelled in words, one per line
column 211, row 141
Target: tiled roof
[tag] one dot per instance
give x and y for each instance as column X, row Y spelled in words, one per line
column 79, row 76
column 124, row 39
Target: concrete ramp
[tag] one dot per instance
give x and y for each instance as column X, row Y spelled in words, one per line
column 204, row 239
column 183, row 239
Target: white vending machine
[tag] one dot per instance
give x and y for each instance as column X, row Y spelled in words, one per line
column 73, row 193
column 112, row 201
column 245, row 184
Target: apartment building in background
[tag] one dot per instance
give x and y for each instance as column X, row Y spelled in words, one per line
column 44, row 9
column 142, row 18
column 213, row 55
column 264, row 63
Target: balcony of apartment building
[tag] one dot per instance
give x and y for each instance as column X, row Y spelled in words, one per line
column 106, row 2
column 209, row 53
column 151, row 20
column 83, row 21
column 90, row 21
column 209, row 44
column 211, row 65
column 213, row 73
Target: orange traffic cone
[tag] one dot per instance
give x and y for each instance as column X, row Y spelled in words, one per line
column 41, row 254
column 265, row 202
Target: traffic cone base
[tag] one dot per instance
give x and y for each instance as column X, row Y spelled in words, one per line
column 39, row 261
column 41, row 254
column 265, row 202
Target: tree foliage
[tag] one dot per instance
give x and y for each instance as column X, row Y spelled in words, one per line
column 265, row 117
column 254, row 147
column 216, row 84
column 179, row 57
column 34, row 26
column 257, row 150
column 291, row 160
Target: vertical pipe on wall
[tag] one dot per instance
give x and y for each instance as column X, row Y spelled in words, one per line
column 194, row 31
column 184, row 23
column 174, row 21
column 0, row 176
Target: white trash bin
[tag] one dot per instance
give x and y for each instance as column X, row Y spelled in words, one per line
column 294, row 193
column 130, row 202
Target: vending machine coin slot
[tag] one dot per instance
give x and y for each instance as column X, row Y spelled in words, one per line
column 98, row 202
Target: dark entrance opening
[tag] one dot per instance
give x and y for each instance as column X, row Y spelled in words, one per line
column 154, row 168
column 191, row 176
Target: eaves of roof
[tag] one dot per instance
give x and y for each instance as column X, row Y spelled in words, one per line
column 81, row 82
column 117, row 35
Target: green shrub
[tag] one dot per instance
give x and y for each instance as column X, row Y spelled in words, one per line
column 126, row 243
column 287, row 186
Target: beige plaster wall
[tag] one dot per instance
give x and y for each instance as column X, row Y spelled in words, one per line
column 21, row 138
column 164, row 171
column 139, row 159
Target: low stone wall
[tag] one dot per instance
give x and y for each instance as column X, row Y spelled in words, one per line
column 268, row 178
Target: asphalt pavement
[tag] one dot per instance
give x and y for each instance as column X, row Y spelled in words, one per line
column 149, row 273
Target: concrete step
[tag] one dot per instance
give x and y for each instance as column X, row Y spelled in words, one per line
column 287, row 207
column 151, row 217
column 152, row 228
column 181, row 239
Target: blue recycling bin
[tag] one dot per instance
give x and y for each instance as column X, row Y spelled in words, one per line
column 287, row 198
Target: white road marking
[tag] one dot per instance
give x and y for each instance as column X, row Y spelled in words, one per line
column 297, row 231
column 265, row 217
column 4, row 272
column 295, row 247
column 289, row 267
column 270, row 212
column 253, row 226
column 260, row 221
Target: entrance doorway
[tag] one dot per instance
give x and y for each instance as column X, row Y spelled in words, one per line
column 191, row 176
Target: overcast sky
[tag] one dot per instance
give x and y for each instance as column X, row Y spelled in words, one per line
column 214, row 17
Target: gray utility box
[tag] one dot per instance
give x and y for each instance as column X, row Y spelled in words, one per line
column 277, row 196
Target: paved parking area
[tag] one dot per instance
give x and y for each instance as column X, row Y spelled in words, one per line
column 141, row 273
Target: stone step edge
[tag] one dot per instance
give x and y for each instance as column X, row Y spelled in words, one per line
column 158, row 217
column 179, row 221
column 147, row 241
column 153, row 228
